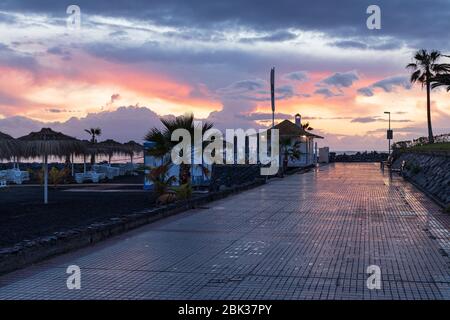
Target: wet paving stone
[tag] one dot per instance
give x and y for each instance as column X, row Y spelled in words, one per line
column 308, row 236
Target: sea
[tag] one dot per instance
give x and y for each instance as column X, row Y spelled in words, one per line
column 350, row 153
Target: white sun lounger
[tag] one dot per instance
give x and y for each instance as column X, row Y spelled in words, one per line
column 110, row 172
column 93, row 176
column 14, row 176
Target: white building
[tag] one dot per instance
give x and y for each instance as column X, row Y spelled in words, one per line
column 303, row 138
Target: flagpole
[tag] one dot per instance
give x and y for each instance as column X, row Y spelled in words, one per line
column 272, row 94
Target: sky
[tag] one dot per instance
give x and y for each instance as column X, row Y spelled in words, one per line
column 132, row 62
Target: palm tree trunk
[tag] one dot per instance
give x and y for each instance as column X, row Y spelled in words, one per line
column 185, row 173
column 45, row 179
column 93, row 154
column 430, row 129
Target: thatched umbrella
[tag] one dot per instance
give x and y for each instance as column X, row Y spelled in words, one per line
column 9, row 147
column 49, row 143
column 110, row 147
column 92, row 149
column 133, row 147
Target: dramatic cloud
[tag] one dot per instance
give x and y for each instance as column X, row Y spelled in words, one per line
column 213, row 58
column 300, row 76
column 370, row 43
column 261, row 116
column 399, row 18
column 387, row 85
column 378, row 119
column 327, row 93
column 278, row 36
column 340, row 80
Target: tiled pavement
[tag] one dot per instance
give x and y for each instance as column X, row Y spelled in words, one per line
column 309, row 236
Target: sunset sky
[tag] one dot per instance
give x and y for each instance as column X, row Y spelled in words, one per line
column 134, row 61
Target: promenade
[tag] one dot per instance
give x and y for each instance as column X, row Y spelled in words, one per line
column 307, row 236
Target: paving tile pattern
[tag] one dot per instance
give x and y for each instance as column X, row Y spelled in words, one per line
column 309, row 236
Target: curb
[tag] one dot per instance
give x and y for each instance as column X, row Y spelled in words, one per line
column 425, row 191
column 26, row 253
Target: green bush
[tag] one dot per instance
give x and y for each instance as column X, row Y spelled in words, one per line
column 184, row 191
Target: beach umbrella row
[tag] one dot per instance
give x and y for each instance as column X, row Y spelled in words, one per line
column 47, row 142
column 133, row 147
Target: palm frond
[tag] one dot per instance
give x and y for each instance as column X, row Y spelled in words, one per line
column 412, row 66
column 415, row 76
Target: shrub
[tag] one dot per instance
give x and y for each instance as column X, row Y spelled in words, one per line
column 55, row 176
column 161, row 178
column 184, row 191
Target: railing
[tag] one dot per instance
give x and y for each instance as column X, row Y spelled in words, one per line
column 420, row 141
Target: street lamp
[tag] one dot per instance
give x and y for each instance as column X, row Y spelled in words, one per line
column 389, row 133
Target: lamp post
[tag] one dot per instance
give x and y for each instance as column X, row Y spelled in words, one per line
column 389, row 133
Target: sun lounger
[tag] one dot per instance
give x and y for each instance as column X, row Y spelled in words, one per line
column 110, row 172
column 93, row 176
column 3, row 184
column 20, row 176
column 14, row 176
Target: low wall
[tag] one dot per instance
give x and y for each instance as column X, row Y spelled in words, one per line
column 29, row 252
column 233, row 175
column 429, row 171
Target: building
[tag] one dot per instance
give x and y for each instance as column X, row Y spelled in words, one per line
column 303, row 138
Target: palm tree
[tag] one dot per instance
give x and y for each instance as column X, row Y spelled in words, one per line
column 424, row 69
column 94, row 133
column 441, row 80
column 289, row 151
column 306, row 126
column 162, row 139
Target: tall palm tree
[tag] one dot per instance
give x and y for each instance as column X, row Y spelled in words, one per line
column 94, row 133
column 424, row 68
column 162, row 139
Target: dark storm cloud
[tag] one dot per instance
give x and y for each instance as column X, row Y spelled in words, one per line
column 421, row 21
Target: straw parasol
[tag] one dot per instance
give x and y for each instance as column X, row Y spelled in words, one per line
column 9, row 147
column 133, row 147
column 49, row 143
column 111, row 147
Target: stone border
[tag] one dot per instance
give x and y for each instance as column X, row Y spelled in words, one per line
column 28, row 252
column 425, row 191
